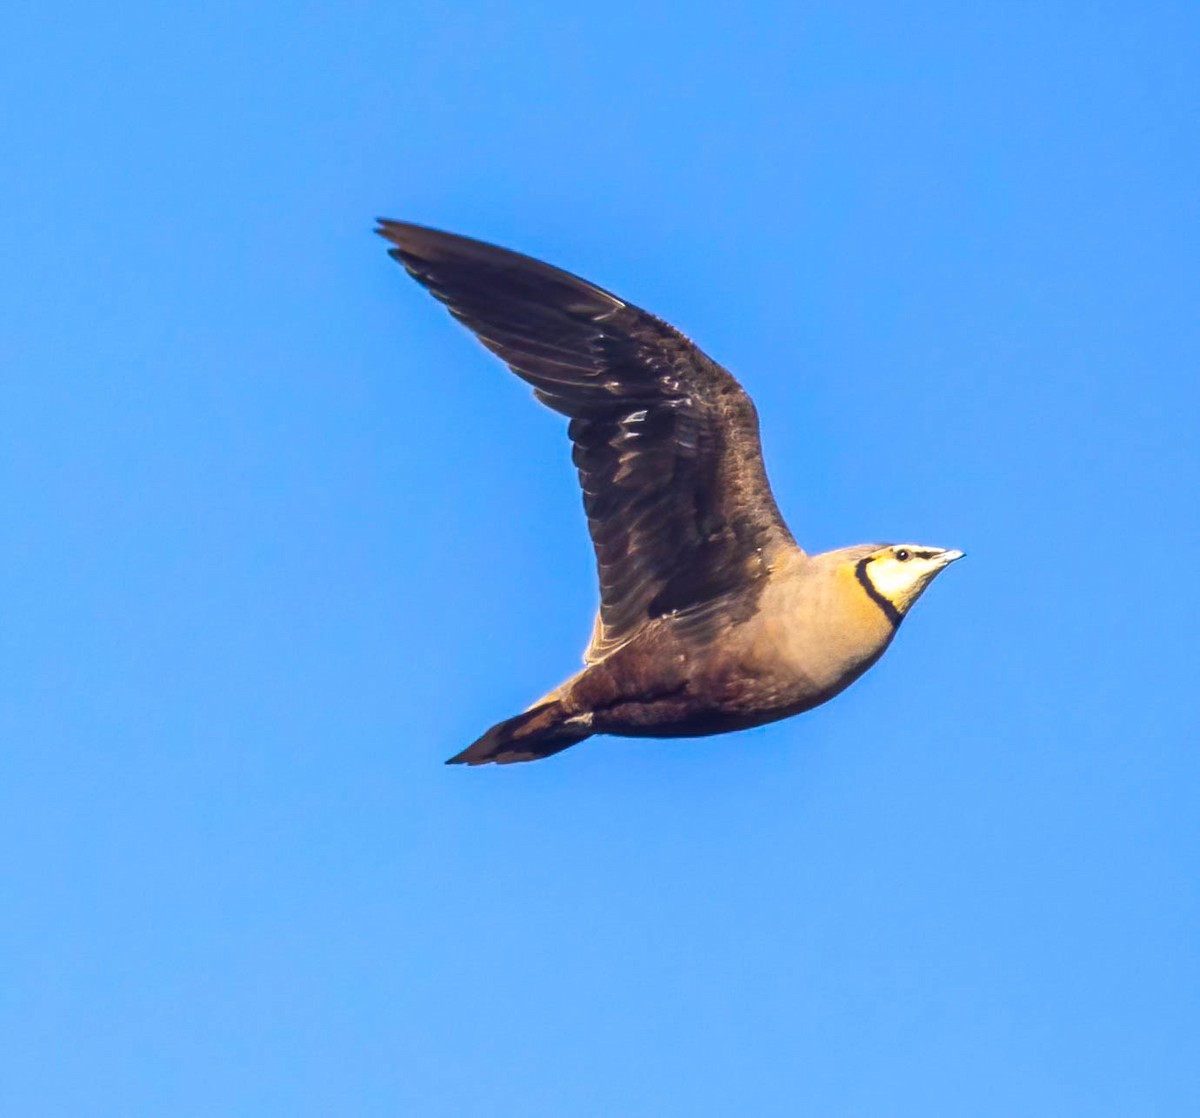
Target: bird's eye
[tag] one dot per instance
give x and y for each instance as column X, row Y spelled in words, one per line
column 903, row 555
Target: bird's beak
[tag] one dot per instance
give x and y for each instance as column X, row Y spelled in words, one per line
column 950, row 556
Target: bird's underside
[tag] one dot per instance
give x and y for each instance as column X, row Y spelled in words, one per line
column 676, row 678
column 658, row 684
column 695, row 563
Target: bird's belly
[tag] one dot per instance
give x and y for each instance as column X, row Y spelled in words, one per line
column 713, row 695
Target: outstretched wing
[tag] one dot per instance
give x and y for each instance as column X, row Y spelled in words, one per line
column 666, row 441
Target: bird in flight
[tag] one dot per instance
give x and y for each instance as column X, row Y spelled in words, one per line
column 712, row 618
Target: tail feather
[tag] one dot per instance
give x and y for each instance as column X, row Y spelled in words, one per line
column 538, row 732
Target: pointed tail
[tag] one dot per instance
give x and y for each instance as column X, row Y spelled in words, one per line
column 538, row 732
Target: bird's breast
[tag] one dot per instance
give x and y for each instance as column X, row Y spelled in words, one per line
column 816, row 632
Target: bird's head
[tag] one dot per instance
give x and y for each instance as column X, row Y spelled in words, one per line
column 896, row 575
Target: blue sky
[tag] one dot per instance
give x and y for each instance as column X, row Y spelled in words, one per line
column 278, row 537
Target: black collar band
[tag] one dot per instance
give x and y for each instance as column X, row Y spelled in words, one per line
column 889, row 610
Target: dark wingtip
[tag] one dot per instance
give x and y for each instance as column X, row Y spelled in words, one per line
column 388, row 229
column 398, row 232
column 411, row 242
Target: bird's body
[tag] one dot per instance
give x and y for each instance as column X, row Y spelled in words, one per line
column 760, row 667
column 712, row 618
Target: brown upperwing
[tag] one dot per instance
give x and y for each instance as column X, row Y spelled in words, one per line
column 665, row 440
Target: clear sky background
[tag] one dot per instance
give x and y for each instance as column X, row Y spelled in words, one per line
column 277, row 537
